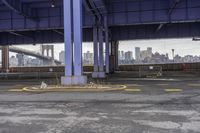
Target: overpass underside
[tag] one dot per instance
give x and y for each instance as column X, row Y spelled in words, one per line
column 100, row 21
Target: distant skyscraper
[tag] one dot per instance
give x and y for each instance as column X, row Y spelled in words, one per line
column 122, row 55
column 88, row 58
column 20, row 58
column 137, row 53
column 62, row 57
column 13, row 61
column 128, row 56
column 149, row 51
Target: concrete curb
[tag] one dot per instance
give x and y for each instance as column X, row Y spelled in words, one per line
column 71, row 89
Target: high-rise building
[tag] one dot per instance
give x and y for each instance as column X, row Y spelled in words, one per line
column 122, row 55
column 137, row 53
column 13, row 61
column 128, row 56
column 20, row 58
column 149, row 51
column 62, row 57
column 35, row 62
column 88, row 58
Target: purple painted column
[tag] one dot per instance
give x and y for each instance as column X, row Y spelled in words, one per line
column 68, row 36
column 95, row 47
column 77, row 17
column 73, row 56
column 107, row 45
column 101, row 54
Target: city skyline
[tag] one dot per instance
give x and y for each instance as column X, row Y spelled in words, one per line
column 163, row 46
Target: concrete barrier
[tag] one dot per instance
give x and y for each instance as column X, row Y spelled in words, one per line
column 192, row 67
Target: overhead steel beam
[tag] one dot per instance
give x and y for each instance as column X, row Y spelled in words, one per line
column 96, row 7
column 22, row 34
column 59, row 32
column 20, row 8
column 100, row 6
column 159, row 27
column 171, row 9
column 89, row 5
column 175, row 3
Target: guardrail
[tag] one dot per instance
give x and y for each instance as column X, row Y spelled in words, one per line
column 165, row 67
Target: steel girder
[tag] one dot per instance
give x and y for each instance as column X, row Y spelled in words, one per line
column 96, row 7
column 172, row 6
column 20, row 8
column 178, row 30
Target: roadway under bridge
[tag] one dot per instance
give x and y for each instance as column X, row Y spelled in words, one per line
column 109, row 21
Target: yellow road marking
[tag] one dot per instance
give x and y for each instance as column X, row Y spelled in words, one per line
column 173, row 90
column 133, row 90
column 15, row 90
column 194, row 85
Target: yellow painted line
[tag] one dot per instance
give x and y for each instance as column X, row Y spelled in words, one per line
column 24, row 89
column 173, row 90
column 133, row 90
column 194, row 85
column 15, row 90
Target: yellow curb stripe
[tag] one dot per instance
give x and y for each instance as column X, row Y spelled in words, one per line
column 133, row 90
column 173, row 90
column 74, row 90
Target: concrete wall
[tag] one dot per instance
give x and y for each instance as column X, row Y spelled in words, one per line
column 165, row 67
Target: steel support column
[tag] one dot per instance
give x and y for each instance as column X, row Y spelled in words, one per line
column 98, row 39
column 5, row 58
column 107, row 45
column 77, row 19
column 68, row 36
column 95, row 47
column 101, row 54
column 73, row 24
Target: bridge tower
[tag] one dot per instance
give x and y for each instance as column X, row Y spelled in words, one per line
column 47, row 49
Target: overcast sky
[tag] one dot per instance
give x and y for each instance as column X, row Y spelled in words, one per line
column 182, row 46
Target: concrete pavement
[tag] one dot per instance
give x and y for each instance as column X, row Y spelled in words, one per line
column 145, row 106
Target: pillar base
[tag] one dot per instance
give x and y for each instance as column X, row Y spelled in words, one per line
column 98, row 75
column 73, row 80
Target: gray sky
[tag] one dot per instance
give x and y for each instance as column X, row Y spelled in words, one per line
column 182, row 46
